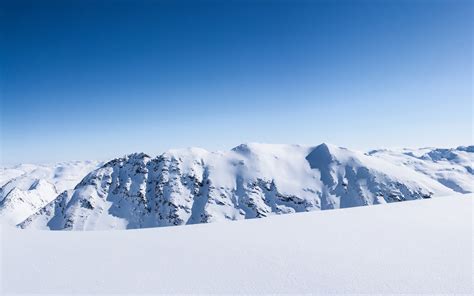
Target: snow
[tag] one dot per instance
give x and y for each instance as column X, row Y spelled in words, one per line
column 451, row 167
column 190, row 186
column 422, row 246
column 26, row 188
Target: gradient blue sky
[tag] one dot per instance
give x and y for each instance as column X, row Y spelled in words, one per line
column 99, row 79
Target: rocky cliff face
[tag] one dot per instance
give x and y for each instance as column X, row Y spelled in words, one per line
column 250, row 181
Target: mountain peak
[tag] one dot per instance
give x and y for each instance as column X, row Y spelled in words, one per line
column 320, row 156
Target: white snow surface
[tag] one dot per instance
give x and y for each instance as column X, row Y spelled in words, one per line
column 26, row 188
column 414, row 247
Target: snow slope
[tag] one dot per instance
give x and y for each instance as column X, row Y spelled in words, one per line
column 415, row 247
column 192, row 186
column 26, row 188
column 451, row 167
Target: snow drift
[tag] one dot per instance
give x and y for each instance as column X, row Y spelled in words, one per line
column 414, row 247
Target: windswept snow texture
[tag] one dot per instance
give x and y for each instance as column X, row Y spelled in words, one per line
column 414, row 247
column 26, row 188
column 251, row 181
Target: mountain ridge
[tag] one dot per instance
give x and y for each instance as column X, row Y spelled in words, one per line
column 193, row 185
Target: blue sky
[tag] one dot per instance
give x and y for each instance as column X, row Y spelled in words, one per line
column 99, row 79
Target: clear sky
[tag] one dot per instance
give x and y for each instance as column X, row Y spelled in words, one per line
column 100, row 79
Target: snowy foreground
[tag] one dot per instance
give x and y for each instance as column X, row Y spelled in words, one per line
column 422, row 246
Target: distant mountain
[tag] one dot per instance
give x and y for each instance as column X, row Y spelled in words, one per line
column 450, row 167
column 251, row 181
column 26, row 188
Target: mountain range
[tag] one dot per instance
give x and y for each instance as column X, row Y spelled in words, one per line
column 190, row 186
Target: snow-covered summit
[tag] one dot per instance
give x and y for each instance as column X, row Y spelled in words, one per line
column 26, row 188
column 451, row 167
column 189, row 186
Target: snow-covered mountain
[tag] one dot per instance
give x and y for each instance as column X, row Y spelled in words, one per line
column 252, row 180
column 26, row 188
column 451, row 167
